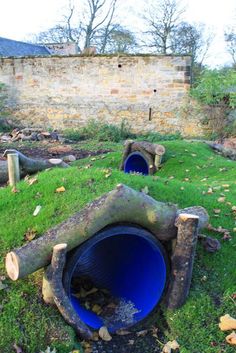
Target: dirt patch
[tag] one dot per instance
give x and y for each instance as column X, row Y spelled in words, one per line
column 47, row 152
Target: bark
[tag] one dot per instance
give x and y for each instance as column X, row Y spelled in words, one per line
column 127, row 151
column 62, row 301
column 152, row 148
column 122, row 204
column 28, row 165
column 182, row 260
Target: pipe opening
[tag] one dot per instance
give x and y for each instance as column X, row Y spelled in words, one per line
column 127, row 262
column 136, row 163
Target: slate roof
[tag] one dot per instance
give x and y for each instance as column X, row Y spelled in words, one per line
column 9, row 47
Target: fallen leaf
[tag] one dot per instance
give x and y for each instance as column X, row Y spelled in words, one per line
column 30, row 234
column 122, row 332
column 169, row 346
column 15, row 190
column 131, row 342
column 145, row 190
column 210, row 191
column 227, row 323
column 17, row 348
column 104, row 334
column 31, row 181
column 97, row 309
column 107, row 175
column 61, row 189
column 231, row 339
column 221, row 199
column 142, row 333
column 217, row 210
column 37, row 210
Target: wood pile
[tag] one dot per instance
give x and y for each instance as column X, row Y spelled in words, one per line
column 30, row 134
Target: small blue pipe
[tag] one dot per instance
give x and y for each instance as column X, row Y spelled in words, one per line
column 128, row 261
column 136, row 163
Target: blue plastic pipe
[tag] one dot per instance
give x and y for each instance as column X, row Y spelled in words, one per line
column 128, row 261
column 136, row 163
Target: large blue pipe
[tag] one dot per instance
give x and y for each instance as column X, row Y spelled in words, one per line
column 128, row 261
column 136, row 163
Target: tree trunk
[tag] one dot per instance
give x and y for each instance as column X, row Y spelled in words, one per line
column 28, row 165
column 63, row 303
column 182, row 260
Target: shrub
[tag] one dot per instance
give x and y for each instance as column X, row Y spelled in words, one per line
column 4, row 125
column 157, row 137
column 216, row 87
column 100, row 132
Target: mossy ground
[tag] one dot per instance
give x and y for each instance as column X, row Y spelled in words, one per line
column 188, row 171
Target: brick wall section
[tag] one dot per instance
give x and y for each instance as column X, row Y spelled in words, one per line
column 65, row 92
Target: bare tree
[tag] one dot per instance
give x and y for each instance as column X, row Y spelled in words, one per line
column 193, row 40
column 230, row 39
column 97, row 18
column 162, row 18
column 100, row 15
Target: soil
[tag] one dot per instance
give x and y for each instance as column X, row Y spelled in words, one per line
column 46, row 151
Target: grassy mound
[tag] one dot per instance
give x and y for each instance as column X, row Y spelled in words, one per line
column 191, row 175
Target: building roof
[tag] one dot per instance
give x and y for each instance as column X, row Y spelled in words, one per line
column 9, row 47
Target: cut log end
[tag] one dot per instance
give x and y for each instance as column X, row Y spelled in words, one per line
column 60, row 247
column 12, row 266
column 55, row 161
column 184, row 217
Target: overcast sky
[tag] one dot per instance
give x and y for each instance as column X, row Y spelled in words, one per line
column 19, row 18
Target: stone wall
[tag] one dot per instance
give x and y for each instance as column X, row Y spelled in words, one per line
column 65, row 92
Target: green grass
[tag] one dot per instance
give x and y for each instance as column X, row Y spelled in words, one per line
column 27, row 321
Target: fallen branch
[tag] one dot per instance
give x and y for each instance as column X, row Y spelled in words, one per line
column 28, row 165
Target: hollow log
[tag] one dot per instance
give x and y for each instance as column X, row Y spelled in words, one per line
column 122, row 204
column 182, row 260
column 28, row 165
column 63, row 303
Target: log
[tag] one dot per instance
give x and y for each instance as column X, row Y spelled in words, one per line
column 122, row 204
column 226, row 152
column 13, row 168
column 152, row 148
column 62, row 301
column 182, row 260
column 28, row 165
column 126, row 152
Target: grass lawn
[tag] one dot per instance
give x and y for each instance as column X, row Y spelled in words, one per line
column 188, row 172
